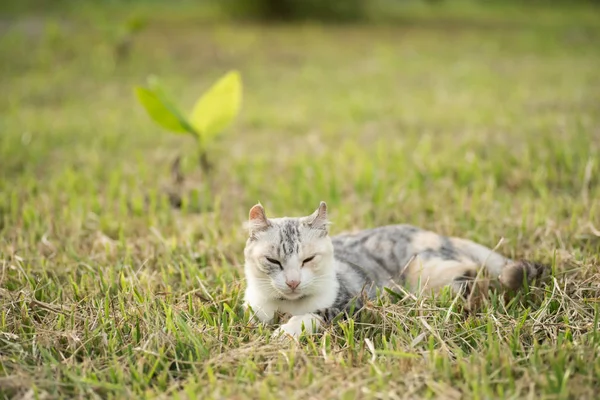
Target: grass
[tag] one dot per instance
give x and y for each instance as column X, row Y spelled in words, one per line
column 482, row 130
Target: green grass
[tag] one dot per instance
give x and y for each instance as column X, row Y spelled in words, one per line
column 483, row 130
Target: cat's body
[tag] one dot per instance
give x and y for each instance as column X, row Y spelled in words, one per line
column 294, row 267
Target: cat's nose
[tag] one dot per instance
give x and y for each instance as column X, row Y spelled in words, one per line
column 292, row 284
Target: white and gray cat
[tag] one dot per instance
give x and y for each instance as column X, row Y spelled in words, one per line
column 293, row 266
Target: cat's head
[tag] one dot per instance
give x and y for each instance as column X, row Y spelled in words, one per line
column 289, row 258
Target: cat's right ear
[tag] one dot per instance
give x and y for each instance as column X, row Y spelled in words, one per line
column 257, row 220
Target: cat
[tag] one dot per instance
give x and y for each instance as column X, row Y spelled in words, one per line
column 293, row 266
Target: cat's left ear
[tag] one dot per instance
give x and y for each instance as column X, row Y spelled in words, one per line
column 318, row 219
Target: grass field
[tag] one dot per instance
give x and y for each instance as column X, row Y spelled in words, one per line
column 474, row 123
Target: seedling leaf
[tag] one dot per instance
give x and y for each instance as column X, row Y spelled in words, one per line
column 160, row 112
column 218, row 107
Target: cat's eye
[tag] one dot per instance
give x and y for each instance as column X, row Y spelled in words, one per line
column 274, row 261
column 309, row 259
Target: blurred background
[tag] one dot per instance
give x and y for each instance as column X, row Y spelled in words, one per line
column 391, row 110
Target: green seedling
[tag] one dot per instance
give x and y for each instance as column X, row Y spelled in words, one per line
column 214, row 111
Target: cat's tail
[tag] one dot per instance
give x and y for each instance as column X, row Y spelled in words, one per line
column 515, row 274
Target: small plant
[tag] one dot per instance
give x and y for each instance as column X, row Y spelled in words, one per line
column 124, row 34
column 214, row 111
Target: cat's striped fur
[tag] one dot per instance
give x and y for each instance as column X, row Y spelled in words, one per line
column 293, row 266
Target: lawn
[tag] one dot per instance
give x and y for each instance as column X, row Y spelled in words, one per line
column 476, row 122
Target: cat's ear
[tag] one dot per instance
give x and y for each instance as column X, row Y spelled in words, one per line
column 257, row 220
column 318, row 219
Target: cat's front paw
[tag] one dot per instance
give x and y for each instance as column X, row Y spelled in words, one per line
column 288, row 330
column 308, row 323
